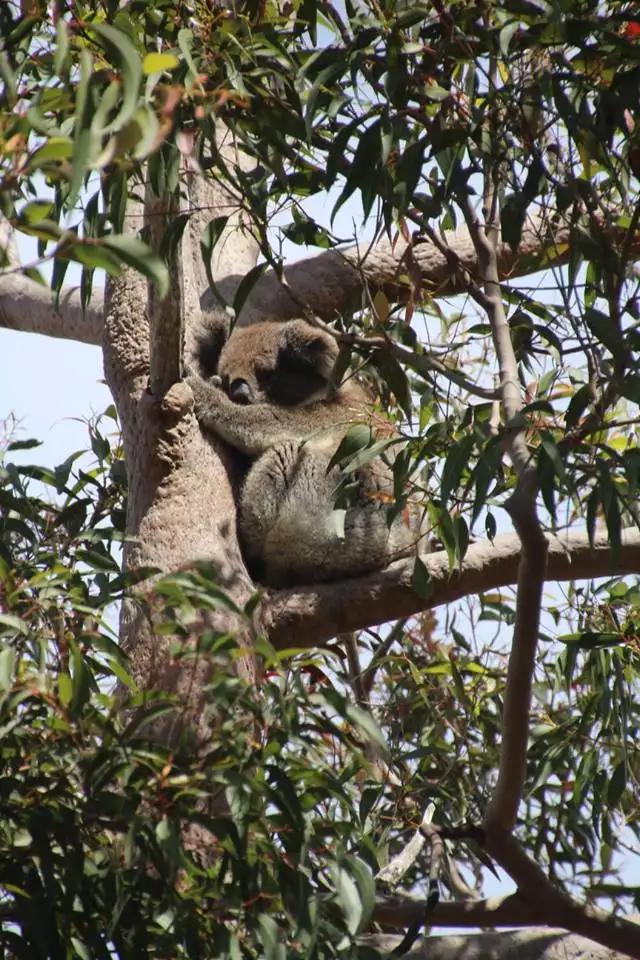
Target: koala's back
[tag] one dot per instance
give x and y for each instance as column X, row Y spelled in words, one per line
column 289, row 524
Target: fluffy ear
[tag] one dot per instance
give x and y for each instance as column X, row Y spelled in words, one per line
column 209, row 341
column 305, row 346
column 306, row 358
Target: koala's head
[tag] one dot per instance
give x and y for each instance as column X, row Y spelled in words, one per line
column 287, row 363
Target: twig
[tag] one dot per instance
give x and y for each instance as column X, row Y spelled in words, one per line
column 395, row 870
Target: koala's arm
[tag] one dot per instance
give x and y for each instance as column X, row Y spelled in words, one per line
column 251, row 429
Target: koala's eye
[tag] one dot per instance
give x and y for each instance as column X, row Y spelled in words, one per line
column 240, row 392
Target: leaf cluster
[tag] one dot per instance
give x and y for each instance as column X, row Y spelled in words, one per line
column 101, row 847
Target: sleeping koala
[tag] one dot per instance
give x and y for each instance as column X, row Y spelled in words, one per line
column 274, row 404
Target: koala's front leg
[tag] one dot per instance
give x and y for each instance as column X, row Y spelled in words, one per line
column 250, row 429
column 207, row 397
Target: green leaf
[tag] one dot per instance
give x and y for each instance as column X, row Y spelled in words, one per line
column 65, row 689
column 14, row 624
column 172, row 237
column 82, row 681
column 396, row 379
column 603, row 327
column 34, row 212
column 367, row 726
column 7, row 666
column 62, row 48
column 92, row 254
column 284, row 795
column 22, row 839
column 363, row 170
column 83, row 136
column 139, row 256
column 360, row 459
column 512, row 218
column 185, row 40
column 118, row 46
column 359, row 437
column 366, row 888
column 547, row 481
column 506, row 36
column 210, row 236
column 159, row 62
column 551, row 449
column 347, row 896
column 456, row 463
column 269, row 935
column 420, row 580
column 246, row 286
column 593, row 640
column 617, row 784
column 81, row 949
column 577, row 406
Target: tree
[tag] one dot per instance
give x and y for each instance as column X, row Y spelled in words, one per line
column 483, row 143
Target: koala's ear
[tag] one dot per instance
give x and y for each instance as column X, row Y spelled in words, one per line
column 305, row 346
column 209, row 341
column 304, row 364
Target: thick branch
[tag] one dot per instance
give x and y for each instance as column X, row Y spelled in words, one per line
column 332, row 281
column 556, row 907
column 528, row 944
column 308, row 616
column 166, row 315
column 26, row 305
column 613, row 932
column 327, row 283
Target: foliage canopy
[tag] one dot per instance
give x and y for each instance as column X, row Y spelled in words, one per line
column 422, row 119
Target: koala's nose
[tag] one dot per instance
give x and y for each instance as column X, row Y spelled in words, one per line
column 240, row 392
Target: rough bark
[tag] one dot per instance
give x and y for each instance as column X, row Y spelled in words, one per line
column 181, row 504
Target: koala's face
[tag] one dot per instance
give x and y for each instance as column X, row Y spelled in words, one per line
column 286, row 364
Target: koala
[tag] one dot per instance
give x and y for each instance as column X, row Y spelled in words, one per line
column 273, row 401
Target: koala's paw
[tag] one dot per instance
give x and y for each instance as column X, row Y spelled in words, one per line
column 201, row 391
column 208, row 398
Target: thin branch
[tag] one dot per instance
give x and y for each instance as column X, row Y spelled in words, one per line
column 507, row 794
column 549, row 903
column 354, row 669
column 393, row 872
column 380, row 652
column 557, row 907
column 422, row 363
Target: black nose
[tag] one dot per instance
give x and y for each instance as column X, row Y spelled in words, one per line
column 240, row 392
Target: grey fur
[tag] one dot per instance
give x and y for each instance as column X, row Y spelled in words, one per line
column 286, row 420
